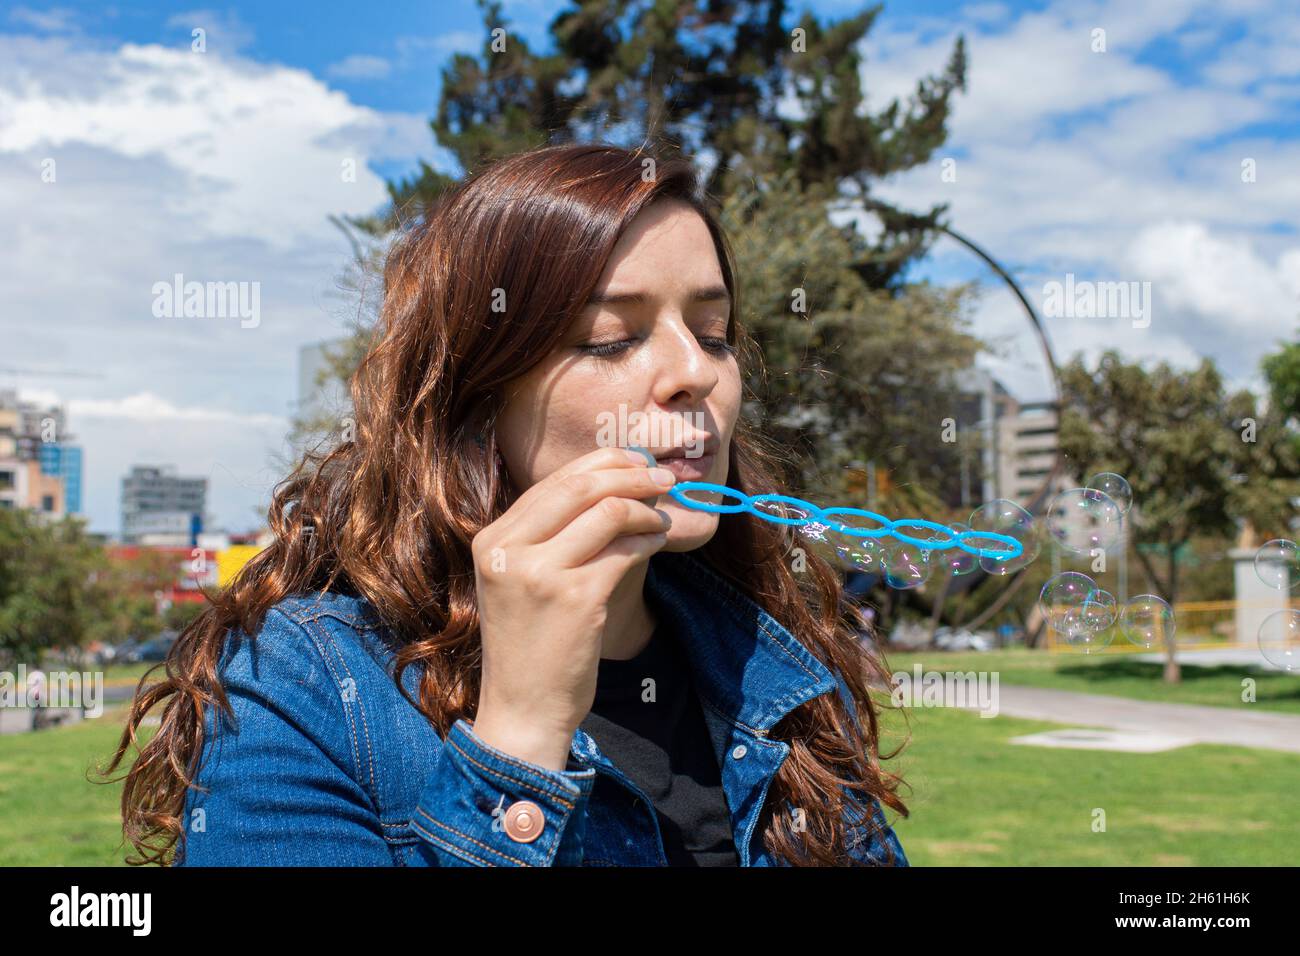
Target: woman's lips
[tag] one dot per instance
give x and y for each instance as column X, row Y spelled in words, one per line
column 689, row 469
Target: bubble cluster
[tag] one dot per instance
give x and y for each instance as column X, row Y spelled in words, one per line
column 1277, row 563
column 1078, row 610
column 1084, row 520
column 1279, row 640
column 1085, row 615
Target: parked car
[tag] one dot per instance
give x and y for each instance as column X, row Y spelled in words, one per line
column 960, row 639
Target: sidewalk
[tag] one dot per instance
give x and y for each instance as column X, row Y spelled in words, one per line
column 1187, row 722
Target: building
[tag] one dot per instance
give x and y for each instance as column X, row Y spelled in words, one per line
column 1016, row 448
column 161, row 508
column 64, row 461
column 982, row 403
column 320, row 394
column 40, row 469
column 1028, row 442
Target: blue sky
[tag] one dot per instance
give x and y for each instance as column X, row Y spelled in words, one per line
column 1122, row 164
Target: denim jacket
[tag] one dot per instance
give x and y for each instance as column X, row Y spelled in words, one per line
column 329, row 765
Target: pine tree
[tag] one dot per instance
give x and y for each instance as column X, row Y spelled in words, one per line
column 717, row 80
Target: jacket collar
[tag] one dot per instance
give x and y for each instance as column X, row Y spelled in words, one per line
column 746, row 666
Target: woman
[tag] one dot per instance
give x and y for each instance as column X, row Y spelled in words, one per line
column 484, row 634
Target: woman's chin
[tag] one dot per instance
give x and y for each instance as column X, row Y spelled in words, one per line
column 691, row 529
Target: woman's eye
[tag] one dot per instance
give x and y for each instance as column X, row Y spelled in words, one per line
column 720, row 346
column 605, row 349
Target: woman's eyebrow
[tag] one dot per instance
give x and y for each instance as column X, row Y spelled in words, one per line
column 715, row 293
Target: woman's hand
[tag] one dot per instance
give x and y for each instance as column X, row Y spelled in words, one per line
column 545, row 571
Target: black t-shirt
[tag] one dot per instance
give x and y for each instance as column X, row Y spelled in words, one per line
column 663, row 745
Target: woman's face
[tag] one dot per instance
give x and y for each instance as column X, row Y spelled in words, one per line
column 646, row 363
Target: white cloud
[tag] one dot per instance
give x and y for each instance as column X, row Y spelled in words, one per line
column 166, row 161
column 222, row 32
column 1221, row 284
column 358, row 66
column 54, row 20
column 1111, row 167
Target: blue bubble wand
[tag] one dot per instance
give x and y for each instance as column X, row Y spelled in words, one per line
column 815, row 515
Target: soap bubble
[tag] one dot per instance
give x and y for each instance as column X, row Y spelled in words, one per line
column 780, row 511
column 1063, row 599
column 860, row 554
column 1115, row 487
column 1083, row 520
column 906, row 566
column 1100, row 610
column 1277, row 563
column 856, row 552
column 957, row 561
column 1089, row 640
column 1005, row 517
column 1279, row 640
column 1147, row 621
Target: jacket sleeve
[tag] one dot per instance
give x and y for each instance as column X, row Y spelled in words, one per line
column 283, row 784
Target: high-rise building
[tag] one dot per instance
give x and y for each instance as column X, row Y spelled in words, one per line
column 40, row 469
column 1017, row 443
column 320, row 395
column 162, row 508
column 64, row 461
column 1030, row 442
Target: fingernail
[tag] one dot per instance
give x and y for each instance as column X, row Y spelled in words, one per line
column 641, row 455
column 662, row 476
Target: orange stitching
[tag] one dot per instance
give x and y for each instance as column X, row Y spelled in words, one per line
column 504, row 776
column 356, row 754
column 507, row 758
column 365, row 725
column 448, row 826
column 450, row 847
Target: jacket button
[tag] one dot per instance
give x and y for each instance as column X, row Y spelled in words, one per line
column 740, row 752
column 524, row 821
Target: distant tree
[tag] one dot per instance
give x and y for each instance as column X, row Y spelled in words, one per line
column 46, row 598
column 859, row 374
column 1282, row 372
column 1177, row 438
column 180, row 614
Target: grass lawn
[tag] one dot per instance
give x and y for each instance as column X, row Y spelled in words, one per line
column 975, row 799
column 130, row 674
column 978, row 800
column 53, row 815
column 1118, row 675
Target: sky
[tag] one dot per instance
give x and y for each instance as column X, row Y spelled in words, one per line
column 1155, row 144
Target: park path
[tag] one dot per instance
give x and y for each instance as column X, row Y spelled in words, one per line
column 1192, row 723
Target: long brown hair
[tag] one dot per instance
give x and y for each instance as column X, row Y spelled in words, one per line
column 389, row 514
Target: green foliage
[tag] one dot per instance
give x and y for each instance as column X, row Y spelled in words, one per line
column 181, row 614
column 59, row 590
column 665, row 72
column 46, row 570
column 859, row 375
column 1178, row 439
column 1282, row 371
